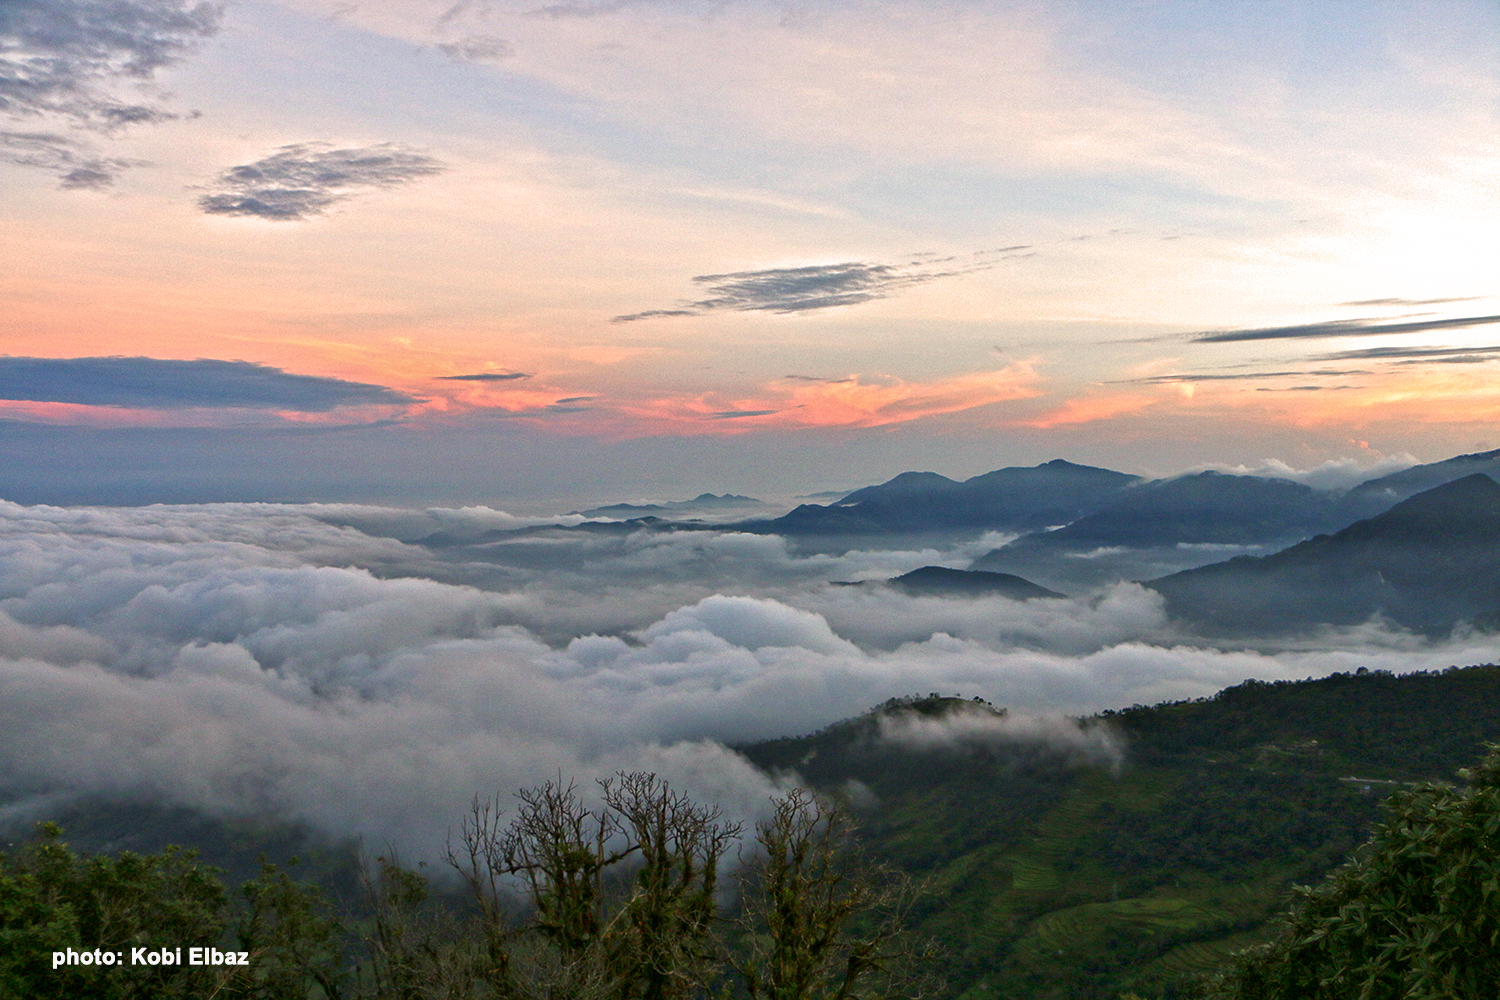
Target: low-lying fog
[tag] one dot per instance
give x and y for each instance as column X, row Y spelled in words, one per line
column 318, row 662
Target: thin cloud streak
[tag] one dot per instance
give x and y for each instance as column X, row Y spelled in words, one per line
column 1416, row 355
column 477, row 48
column 1344, row 328
column 788, row 290
column 1236, row 377
column 1412, row 302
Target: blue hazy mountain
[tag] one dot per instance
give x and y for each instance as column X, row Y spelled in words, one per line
column 1101, row 508
column 1427, row 563
column 703, row 502
column 1157, row 527
column 1011, row 499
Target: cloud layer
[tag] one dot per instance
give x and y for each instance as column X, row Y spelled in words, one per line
column 302, row 180
column 153, row 383
column 318, row 662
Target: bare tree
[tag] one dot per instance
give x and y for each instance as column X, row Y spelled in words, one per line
column 818, row 923
column 622, row 895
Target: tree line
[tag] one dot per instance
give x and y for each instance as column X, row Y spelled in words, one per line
column 622, row 898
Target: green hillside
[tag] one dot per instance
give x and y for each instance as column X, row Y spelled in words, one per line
column 1064, row 858
column 1055, row 874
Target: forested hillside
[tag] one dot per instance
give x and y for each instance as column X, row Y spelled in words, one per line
column 1137, row 850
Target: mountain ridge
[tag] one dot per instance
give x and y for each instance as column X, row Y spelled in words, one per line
column 1427, row 563
column 1016, row 498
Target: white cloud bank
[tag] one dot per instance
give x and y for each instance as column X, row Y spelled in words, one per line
column 258, row 658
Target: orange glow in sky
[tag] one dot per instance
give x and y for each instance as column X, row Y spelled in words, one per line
column 656, row 222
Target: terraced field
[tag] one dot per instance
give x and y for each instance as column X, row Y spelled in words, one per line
column 1169, row 914
column 1202, row 957
column 1029, row 874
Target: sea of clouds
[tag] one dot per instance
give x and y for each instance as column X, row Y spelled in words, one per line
column 320, row 663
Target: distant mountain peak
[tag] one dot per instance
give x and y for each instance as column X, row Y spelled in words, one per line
column 918, row 479
column 943, row 580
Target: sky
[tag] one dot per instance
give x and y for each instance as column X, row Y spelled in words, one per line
column 509, row 251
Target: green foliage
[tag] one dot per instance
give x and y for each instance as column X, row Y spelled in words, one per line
column 415, row 950
column 52, row 899
column 293, row 936
column 1368, row 722
column 1416, row 916
column 1278, row 817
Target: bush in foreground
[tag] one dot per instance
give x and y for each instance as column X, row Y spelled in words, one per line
column 1415, row 916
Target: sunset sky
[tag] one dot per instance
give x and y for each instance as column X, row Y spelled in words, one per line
column 516, row 252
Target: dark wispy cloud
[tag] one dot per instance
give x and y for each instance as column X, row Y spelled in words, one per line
column 1420, row 355
column 1344, row 328
column 301, row 180
column 652, row 314
column 66, row 57
column 565, row 11
column 477, row 48
column 818, row 379
column 485, row 377
column 76, row 166
column 153, row 383
column 1236, row 376
column 1410, row 302
column 787, row 290
column 571, row 404
column 736, row 414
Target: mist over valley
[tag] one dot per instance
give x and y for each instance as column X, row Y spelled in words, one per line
column 367, row 670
